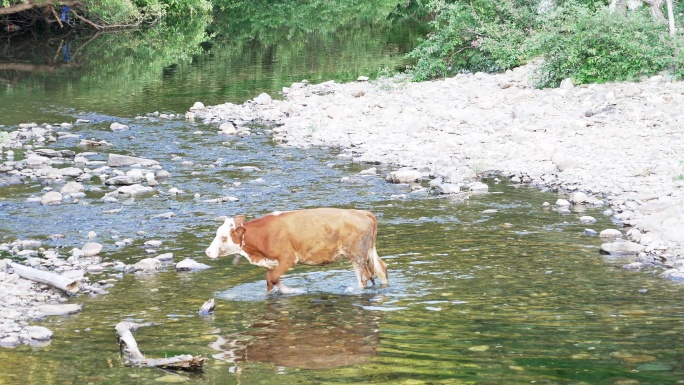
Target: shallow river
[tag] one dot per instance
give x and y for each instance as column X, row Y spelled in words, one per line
column 512, row 296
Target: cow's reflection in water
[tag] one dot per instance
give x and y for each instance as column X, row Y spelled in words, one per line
column 329, row 332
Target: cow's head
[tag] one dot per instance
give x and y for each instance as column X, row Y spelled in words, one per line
column 228, row 239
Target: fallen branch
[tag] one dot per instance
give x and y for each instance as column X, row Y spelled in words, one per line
column 29, row 5
column 54, row 13
column 90, row 23
column 55, row 280
column 133, row 356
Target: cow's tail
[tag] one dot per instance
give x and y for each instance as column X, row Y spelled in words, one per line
column 376, row 265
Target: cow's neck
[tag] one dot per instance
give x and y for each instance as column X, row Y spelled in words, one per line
column 253, row 255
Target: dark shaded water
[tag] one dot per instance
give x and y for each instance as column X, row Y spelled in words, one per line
column 510, row 297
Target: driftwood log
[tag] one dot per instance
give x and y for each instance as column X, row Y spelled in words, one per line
column 49, row 278
column 133, row 356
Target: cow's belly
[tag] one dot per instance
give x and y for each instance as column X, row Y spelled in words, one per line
column 317, row 259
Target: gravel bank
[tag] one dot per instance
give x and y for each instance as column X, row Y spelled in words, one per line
column 618, row 144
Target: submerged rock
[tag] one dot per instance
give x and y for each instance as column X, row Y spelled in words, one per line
column 59, row 309
column 622, row 248
column 116, row 160
column 190, row 264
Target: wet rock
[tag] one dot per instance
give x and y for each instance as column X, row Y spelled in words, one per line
column 562, row 202
column 72, row 172
column 162, row 175
column 587, row 219
column 149, row 177
column 94, row 268
column 190, row 264
column 147, row 265
column 166, row 215
column 610, row 233
column 122, row 180
column 579, row 198
column 674, row 274
column 633, row 266
column 72, row 188
column 11, row 341
column 622, row 248
column 404, row 175
column 478, row 187
column 166, row 257
column 448, row 188
column 228, row 128
column 118, row 127
column 153, row 243
column 91, row 249
column 590, row 232
column 39, row 333
column 116, row 160
column 134, row 190
column 369, row 171
column 59, row 309
column 51, row 198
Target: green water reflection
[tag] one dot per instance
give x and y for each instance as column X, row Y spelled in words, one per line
column 233, row 55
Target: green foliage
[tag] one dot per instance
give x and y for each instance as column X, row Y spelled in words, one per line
column 132, row 11
column 483, row 35
column 599, row 46
column 581, row 40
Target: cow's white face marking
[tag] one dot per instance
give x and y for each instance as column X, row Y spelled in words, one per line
column 223, row 243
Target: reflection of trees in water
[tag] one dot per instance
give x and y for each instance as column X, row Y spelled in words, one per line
column 216, row 58
column 324, row 333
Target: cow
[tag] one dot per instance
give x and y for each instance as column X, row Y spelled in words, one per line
column 317, row 236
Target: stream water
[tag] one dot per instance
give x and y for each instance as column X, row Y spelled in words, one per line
column 515, row 294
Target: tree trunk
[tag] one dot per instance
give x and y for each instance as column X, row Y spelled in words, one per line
column 670, row 18
column 655, row 6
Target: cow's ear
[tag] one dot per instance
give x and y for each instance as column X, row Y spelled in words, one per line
column 239, row 219
column 237, row 234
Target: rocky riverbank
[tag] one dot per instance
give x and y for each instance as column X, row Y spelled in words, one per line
column 618, row 144
column 94, row 176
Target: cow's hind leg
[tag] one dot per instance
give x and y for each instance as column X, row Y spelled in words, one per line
column 363, row 271
column 379, row 266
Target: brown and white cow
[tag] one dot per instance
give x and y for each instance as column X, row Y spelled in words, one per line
column 319, row 236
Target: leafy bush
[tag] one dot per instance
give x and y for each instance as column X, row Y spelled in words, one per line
column 583, row 41
column 483, row 35
column 599, row 46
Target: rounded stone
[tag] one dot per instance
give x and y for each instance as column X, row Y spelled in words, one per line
column 51, row 198
column 91, row 249
column 610, row 233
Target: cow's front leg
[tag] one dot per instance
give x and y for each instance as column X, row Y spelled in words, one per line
column 273, row 278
